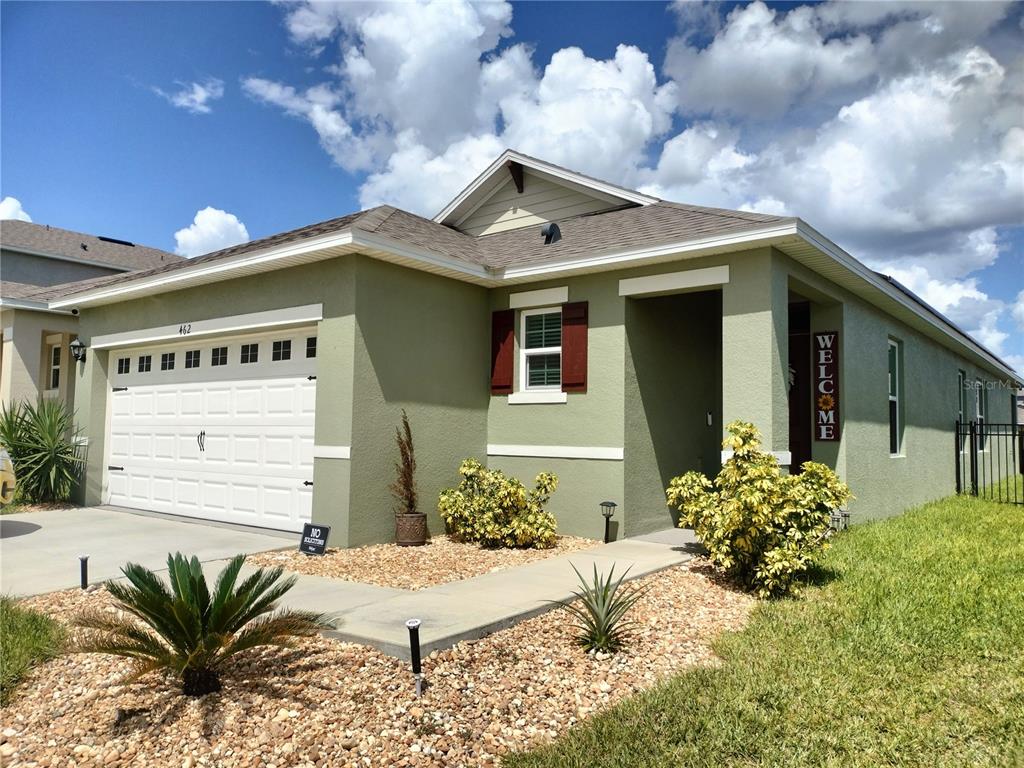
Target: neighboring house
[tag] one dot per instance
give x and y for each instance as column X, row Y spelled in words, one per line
column 262, row 384
column 36, row 263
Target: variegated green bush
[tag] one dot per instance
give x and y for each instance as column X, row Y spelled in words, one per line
column 759, row 526
column 493, row 510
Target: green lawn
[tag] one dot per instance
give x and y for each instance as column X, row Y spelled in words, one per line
column 25, row 638
column 911, row 655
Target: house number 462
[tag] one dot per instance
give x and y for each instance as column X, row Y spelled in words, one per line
column 184, row 329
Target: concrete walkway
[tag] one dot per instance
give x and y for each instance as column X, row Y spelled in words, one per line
column 472, row 608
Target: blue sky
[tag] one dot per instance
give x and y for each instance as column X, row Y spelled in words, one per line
column 892, row 128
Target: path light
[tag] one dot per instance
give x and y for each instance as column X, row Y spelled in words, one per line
column 77, row 350
column 83, row 568
column 608, row 509
column 414, row 649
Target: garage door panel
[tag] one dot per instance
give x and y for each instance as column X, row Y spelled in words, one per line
column 258, row 420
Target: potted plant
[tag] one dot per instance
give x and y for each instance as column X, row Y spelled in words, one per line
column 410, row 523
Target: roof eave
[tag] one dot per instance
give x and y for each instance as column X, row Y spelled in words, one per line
column 33, row 305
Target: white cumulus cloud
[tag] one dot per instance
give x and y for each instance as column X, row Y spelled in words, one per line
column 10, row 208
column 210, row 230
column 194, row 97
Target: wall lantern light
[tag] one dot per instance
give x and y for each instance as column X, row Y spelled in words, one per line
column 608, row 509
column 77, row 350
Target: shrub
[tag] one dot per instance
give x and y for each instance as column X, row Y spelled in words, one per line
column 601, row 613
column 760, row 527
column 404, row 487
column 497, row 511
column 26, row 637
column 41, row 441
column 187, row 630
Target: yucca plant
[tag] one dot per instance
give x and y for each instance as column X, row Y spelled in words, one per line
column 42, row 442
column 189, row 631
column 601, row 612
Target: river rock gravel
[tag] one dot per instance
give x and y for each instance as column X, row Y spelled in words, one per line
column 327, row 703
column 438, row 561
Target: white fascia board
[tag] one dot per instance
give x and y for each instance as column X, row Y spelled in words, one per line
column 169, row 279
column 35, row 306
column 765, row 236
column 668, row 282
column 579, row 182
column 309, row 313
column 72, row 259
column 545, row 297
column 829, row 248
column 398, row 248
column 599, row 453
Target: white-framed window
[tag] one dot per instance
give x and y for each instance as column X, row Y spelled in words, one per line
column 167, row 361
column 145, row 363
column 250, row 353
column 219, row 356
column 124, row 365
column 980, row 409
column 53, row 374
column 895, row 397
column 311, row 346
column 540, row 350
column 281, row 350
column 192, row 358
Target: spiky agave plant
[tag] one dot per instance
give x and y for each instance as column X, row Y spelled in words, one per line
column 601, row 612
column 189, row 631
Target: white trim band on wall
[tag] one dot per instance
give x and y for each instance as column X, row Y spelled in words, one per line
column 600, row 453
column 784, row 458
column 668, row 282
column 540, row 298
column 332, row 451
column 310, row 313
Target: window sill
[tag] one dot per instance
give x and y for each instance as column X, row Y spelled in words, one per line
column 529, row 398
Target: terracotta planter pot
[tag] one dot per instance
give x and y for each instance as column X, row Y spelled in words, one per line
column 411, row 530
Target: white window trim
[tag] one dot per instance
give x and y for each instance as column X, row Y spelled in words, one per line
column 980, row 414
column 544, row 296
column 535, row 397
column 893, row 344
column 525, row 353
column 51, row 366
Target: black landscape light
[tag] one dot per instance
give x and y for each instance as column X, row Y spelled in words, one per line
column 414, row 651
column 77, row 350
column 608, row 509
column 83, row 570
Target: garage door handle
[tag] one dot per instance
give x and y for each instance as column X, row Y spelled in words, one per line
column 119, row 469
column 311, row 378
column 308, row 482
column 201, row 440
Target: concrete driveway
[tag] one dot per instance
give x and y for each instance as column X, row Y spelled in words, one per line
column 39, row 550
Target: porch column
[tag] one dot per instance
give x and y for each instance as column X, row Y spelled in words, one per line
column 755, row 346
column 92, row 398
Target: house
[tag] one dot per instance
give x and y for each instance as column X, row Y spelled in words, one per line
column 36, row 263
column 543, row 321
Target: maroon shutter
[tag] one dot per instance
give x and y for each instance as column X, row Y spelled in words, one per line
column 502, row 351
column 574, row 347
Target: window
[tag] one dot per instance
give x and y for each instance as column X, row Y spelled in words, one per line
column 311, row 346
column 219, row 356
column 192, row 358
column 250, row 353
column 541, row 349
column 895, row 397
column 961, row 412
column 980, row 408
column 167, row 361
column 281, row 350
column 124, row 364
column 54, row 366
column 145, row 363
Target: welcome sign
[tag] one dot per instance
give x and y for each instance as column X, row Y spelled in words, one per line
column 826, row 386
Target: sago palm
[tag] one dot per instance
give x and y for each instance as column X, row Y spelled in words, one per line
column 189, row 630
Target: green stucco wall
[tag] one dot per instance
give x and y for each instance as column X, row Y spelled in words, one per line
column 673, row 381
column 422, row 344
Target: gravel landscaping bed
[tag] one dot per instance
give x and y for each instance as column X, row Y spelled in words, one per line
column 439, row 561
column 328, row 703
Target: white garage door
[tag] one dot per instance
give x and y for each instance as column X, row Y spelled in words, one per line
column 220, row 429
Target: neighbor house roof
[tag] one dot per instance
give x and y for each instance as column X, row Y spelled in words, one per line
column 44, row 240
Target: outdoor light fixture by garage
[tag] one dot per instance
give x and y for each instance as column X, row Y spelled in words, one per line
column 608, row 509
column 414, row 651
column 77, row 350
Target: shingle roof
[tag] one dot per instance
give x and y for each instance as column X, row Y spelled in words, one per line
column 41, row 238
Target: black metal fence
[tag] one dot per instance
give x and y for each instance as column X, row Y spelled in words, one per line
column 990, row 461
